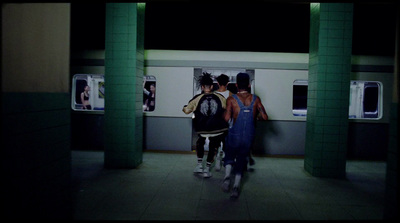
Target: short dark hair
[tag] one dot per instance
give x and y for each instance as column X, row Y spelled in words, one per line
column 223, row 79
column 242, row 80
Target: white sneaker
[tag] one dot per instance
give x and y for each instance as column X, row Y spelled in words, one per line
column 198, row 169
column 206, row 172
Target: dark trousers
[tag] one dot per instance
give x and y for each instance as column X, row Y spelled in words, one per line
column 213, row 146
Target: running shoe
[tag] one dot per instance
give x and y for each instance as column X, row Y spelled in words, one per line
column 206, row 172
column 225, row 184
column 198, row 169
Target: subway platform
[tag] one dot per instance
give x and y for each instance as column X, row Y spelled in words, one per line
column 164, row 187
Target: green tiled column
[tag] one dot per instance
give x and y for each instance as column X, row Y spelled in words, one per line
column 124, row 61
column 391, row 188
column 392, row 163
column 328, row 89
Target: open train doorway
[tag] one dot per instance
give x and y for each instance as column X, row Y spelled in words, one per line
column 215, row 72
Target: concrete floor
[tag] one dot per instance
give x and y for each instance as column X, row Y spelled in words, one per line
column 164, row 187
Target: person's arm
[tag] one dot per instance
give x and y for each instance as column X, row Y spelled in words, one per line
column 145, row 91
column 191, row 106
column 82, row 100
column 262, row 114
column 228, row 111
column 187, row 109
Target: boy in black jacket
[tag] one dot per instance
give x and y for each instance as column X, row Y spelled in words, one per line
column 208, row 109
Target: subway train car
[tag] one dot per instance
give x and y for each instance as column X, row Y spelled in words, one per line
column 279, row 79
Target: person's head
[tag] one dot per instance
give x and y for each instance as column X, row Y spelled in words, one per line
column 206, row 81
column 242, row 81
column 86, row 88
column 152, row 88
column 223, row 80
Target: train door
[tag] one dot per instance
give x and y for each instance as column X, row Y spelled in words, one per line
column 215, row 72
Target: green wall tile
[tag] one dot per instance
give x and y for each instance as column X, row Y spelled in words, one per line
column 123, row 144
column 37, row 149
column 329, row 72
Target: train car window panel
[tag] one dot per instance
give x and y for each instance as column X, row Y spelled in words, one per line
column 149, row 93
column 88, row 92
column 299, row 103
column 365, row 100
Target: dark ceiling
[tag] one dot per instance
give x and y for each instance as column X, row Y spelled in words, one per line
column 259, row 27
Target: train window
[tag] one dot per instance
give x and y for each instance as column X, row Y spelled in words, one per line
column 370, row 102
column 299, row 103
column 149, row 93
column 364, row 101
column 88, row 92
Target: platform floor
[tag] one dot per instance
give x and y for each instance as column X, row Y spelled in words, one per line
column 164, row 187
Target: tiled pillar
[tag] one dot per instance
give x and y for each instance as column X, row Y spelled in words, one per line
column 124, row 61
column 328, row 89
column 392, row 166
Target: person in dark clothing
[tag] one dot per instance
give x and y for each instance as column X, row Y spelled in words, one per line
column 151, row 100
column 208, row 121
column 243, row 109
column 85, row 98
column 223, row 81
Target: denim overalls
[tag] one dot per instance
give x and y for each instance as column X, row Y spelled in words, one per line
column 240, row 137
